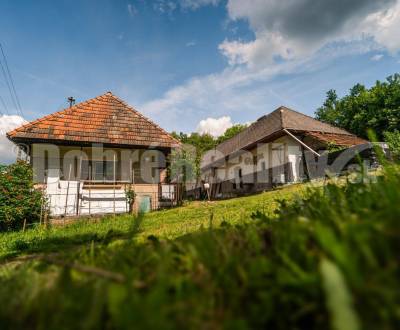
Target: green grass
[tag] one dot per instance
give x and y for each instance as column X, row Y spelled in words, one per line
column 169, row 224
column 324, row 258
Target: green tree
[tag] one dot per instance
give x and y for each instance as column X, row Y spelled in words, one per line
column 231, row 132
column 393, row 140
column 183, row 164
column 186, row 162
column 377, row 108
column 190, row 158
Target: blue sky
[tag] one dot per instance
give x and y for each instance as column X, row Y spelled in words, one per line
column 195, row 64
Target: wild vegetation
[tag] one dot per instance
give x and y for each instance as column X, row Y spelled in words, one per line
column 363, row 109
column 393, row 139
column 327, row 258
column 19, row 202
column 194, row 147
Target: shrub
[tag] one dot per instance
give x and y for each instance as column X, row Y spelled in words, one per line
column 19, row 200
column 393, row 139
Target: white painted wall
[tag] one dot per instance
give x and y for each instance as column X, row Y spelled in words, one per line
column 63, row 198
column 282, row 150
column 102, row 206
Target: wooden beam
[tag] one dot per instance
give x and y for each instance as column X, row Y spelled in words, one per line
column 301, row 142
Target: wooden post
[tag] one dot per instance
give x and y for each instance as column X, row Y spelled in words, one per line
column 66, row 197
column 90, row 187
column 79, row 185
column 41, row 198
column 130, row 170
column 134, row 187
column 45, row 219
column 270, row 163
column 23, row 228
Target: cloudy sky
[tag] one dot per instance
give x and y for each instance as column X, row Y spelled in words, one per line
column 194, row 64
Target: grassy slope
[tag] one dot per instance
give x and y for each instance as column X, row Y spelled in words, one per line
column 329, row 260
column 164, row 224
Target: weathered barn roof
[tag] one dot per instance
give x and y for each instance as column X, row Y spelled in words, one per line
column 337, row 139
column 104, row 119
column 285, row 118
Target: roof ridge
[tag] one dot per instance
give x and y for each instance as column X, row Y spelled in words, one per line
column 104, row 105
column 262, row 118
column 282, row 107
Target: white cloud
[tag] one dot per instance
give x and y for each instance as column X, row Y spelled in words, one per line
column 234, row 90
column 132, row 10
column 384, row 26
column 290, row 29
column 239, row 90
column 195, row 4
column 291, row 36
column 164, row 6
column 214, row 126
column 191, row 43
column 169, row 6
column 7, row 149
column 376, row 57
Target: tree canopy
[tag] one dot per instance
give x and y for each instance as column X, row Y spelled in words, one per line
column 376, row 108
column 191, row 158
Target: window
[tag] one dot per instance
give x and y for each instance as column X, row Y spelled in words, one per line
column 98, row 173
column 101, row 171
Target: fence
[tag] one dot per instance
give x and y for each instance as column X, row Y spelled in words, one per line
column 74, row 198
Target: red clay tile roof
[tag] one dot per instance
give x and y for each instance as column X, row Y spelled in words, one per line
column 275, row 122
column 337, row 139
column 104, row 119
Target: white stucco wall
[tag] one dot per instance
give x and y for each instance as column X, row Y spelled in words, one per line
column 276, row 153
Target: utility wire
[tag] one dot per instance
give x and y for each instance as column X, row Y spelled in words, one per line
column 4, row 106
column 9, row 81
column 8, row 85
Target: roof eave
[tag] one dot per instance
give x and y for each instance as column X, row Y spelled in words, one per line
column 30, row 141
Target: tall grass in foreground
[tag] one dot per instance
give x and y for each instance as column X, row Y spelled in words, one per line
column 326, row 260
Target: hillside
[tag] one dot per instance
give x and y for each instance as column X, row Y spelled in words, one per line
column 324, row 257
column 168, row 224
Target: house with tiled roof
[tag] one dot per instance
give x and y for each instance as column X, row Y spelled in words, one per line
column 88, row 155
column 270, row 151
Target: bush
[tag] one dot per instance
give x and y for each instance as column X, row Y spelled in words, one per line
column 393, row 140
column 19, row 200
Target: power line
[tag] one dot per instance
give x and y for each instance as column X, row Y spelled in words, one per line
column 8, row 84
column 13, row 92
column 4, row 106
